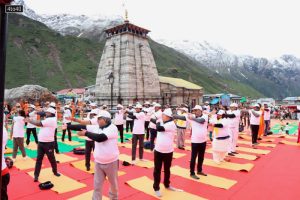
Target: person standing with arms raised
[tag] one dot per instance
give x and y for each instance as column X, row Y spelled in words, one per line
column 46, row 143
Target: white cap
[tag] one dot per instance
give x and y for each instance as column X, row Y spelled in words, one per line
column 234, row 105
column 104, row 106
column 206, row 102
column 130, row 105
column 93, row 104
column 185, row 109
column 221, row 112
column 51, row 110
column 17, row 104
column 157, row 105
column 147, row 103
column 94, row 111
column 66, row 106
column 104, row 113
column 119, row 106
column 197, row 107
column 256, row 105
column 32, row 106
column 168, row 112
column 52, row 104
column 138, row 106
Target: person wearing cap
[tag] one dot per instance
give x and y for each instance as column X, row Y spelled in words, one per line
column 46, row 142
column 220, row 142
column 119, row 121
column 156, row 116
column 66, row 120
column 233, row 116
column 267, row 118
column 138, row 132
column 181, row 126
column 255, row 114
column 129, row 121
column 147, row 111
column 30, row 128
column 206, row 106
column 163, row 151
column 199, row 123
column 106, row 154
column 17, row 133
column 94, row 107
column 4, row 169
column 53, row 105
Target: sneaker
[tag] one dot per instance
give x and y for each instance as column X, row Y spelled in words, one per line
column 133, row 162
column 231, row 154
column 174, row 189
column 194, row 177
column 57, row 174
column 157, row 193
column 201, row 173
column 88, row 168
column 35, row 179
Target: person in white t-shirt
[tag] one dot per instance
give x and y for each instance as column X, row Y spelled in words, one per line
column 67, row 114
column 233, row 116
column 267, row 118
column 119, row 121
column 4, row 169
column 138, row 132
column 30, row 127
column 156, row 116
column 17, row 133
column 199, row 123
column 163, row 152
column 147, row 111
column 46, row 143
column 255, row 114
column 106, row 154
column 220, row 142
column 129, row 121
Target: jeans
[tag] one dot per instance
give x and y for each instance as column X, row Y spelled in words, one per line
column 159, row 160
column 28, row 133
column 254, row 131
column 153, row 134
column 135, row 139
column 121, row 130
column 198, row 149
column 89, row 146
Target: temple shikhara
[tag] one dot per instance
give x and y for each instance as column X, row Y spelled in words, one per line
column 127, row 72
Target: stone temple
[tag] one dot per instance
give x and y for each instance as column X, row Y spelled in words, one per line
column 128, row 60
column 127, row 72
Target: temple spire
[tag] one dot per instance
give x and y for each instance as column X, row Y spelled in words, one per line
column 126, row 12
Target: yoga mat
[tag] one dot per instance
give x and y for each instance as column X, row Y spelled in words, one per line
column 31, row 146
column 24, row 164
column 289, row 143
column 62, row 158
column 212, row 180
column 251, row 150
column 145, row 184
column 61, row 184
column 129, row 146
column 145, row 164
column 229, row 165
column 8, row 151
column 81, row 166
column 246, row 137
column 86, row 196
column 260, row 144
column 72, row 143
column 239, row 155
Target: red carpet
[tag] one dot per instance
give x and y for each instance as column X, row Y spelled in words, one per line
column 274, row 176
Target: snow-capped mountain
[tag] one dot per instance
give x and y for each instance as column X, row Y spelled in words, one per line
column 266, row 75
column 91, row 27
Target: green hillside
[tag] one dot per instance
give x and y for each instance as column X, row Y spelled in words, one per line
column 39, row 55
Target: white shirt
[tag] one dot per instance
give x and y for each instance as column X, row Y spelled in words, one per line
column 32, row 116
column 107, row 151
column 164, row 140
column 67, row 113
column 220, row 132
column 132, row 111
column 147, row 114
column 47, row 131
column 4, row 119
column 267, row 114
column 139, row 123
column 18, row 129
column 94, row 121
column 4, row 141
column 254, row 120
column 234, row 122
column 199, row 131
column 158, row 116
column 119, row 117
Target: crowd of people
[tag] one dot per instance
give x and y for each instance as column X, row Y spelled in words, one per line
column 151, row 124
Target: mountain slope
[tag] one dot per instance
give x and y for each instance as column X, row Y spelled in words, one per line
column 39, row 55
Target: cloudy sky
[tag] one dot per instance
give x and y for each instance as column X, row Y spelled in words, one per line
column 267, row 28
